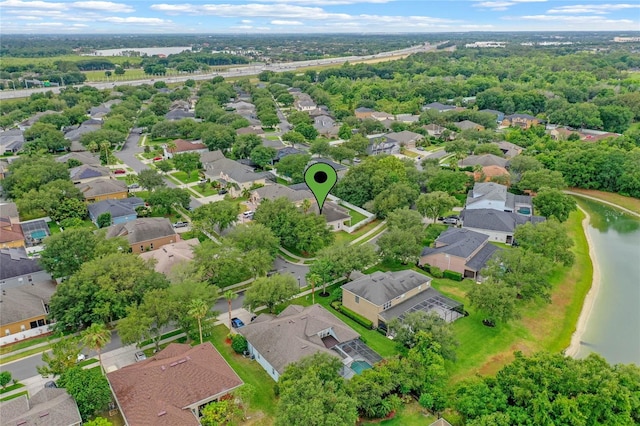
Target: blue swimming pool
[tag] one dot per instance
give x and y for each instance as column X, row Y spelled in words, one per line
column 524, row 210
column 360, row 366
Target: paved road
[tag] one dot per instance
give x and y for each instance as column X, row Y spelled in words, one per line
column 299, row 272
column 231, row 73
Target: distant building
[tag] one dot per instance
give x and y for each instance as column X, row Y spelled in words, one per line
column 47, row 407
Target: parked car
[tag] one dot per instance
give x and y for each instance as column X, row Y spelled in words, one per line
column 134, row 186
column 248, row 213
column 158, row 159
column 420, row 148
column 81, row 357
column 222, row 192
column 450, row 221
column 140, row 356
column 50, row 384
column 181, row 224
column 120, row 171
column 356, row 160
column 236, row 323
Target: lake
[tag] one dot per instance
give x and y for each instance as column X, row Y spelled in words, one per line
column 613, row 327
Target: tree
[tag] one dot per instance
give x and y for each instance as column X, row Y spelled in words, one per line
column 405, row 219
column 616, row 118
column 320, row 147
column 548, row 238
column 104, row 220
column 310, row 234
column 524, row 163
column 31, row 172
column 89, row 389
column 198, row 309
column 397, row 245
column 405, row 331
column 526, row 271
column 66, row 252
column 218, row 136
column 254, row 236
column 435, row 204
column 345, row 131
column 187, row 162
column 216, row 217
column 165, row 198
column 150, row 179
column 342, row 259
column 102, row 289
column 270, row 291
column 62, row 357
column 96, row 337
column 293, row 137
column 219, row 413
column 262, row 155
column 554, row 203
column 164, row 166
column 312, row 392
column 181, row 298
column 396, row 196
column 229, row 296
column 98, row 421
column 5, row 378
column 313, row 279
column 495, row 299
column 448, row 181
column 533, row 180
column 340, row 153
column 293, row 166
column 245, row 394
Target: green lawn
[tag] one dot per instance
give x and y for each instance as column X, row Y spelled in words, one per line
column 11, row 388
column 24, row 343
column 408, row 415
column 355, row 216
column 184, row 178
column 343, row 236
column 209, row 191
column 249, row 371
column 15, row 395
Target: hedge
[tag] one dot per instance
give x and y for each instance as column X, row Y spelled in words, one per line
column 452, row 275
column 356, row 317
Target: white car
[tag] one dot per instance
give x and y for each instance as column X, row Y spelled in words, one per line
column 81, row 357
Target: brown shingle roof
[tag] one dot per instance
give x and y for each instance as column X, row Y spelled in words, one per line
column 102, row 186
column 161, row 390
column 142, row 229
column 186, row 146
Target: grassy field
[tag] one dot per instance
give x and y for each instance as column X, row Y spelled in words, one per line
column 183, row 178
column 408, row 415
column 11, row 388
column 355, row 216
column 346, row 237
column 15, row 395
column 50, row 61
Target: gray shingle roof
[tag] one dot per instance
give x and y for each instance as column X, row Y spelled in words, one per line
column 487, row 191
column 438, row 106
column 83, row 157
column 15, row 262
column 102, row 186
column 404, row 136
column 294, row 334
column 88, row 171
column 12, row 140
column 484, row 160
column 381, row 287
column 481, row 258
column 457, row 242
column 234, row 170
column 142, row 229
column 59, row 406
column 117, row 208
column 25, row 301
column 275, row 191
column 495, row 220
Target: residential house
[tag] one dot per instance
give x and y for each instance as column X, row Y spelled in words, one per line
column 520, row 120
column 407, row 118
column 250, row 130
column 362, row 113
column 11, row 234
column 437, row 106
column 171, row 387
column 404, row 138
column 434, row 130
column 169, row 255
column 340, row 169
column 123, row 210
column 103, row 189
column 88, row 173
column 75, row 133
column 499, row 226
column 499, row 114
column 325, row 125
column 180, row 104
column 3, row 169
column 468, row 125
column 35, row 231
column 337, row 217
column 561, row 133
column 285, row 152
column 298, row 332
column 483, row 160
column 17, row 268
column 494, row 196
column 459, row 250
column 492, row 174
column 380, row 145
column 82, row 157
column 11, row 141
column 304, row 103
column 144, row 234
column 46, row 407
column 179, row 114
column 183, row 146
column 440, row 422
column 99, row 112
column 241, row 105
column 383, row 296
column 382, row 116
column 25, row 307
column 25, row 124
column 235, row 176
column 590, row 135
column 509, row 149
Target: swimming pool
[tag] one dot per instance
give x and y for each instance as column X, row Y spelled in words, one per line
column 360, row 366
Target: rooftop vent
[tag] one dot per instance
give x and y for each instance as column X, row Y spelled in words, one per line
column 163, row 368
column 162, row 413
column 182, row 361
column 173, row 364
column 44, row 414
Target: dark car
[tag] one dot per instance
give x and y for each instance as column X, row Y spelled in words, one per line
column 236, row 323
column 120, row 171
column 222, row 192
column 50, row 384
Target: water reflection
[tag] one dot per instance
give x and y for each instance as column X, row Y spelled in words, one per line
column 604, row 217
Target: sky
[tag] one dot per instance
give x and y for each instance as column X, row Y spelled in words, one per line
column 313, row 16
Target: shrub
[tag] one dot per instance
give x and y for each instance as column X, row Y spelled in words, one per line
column 436, row 272
column 452, row 275
column 239, row 343
column 356, row 317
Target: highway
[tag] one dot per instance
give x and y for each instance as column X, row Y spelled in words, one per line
column 231, row 73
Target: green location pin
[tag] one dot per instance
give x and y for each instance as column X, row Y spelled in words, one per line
column 320, row 179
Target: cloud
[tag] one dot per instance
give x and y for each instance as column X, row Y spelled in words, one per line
column 19, row 4
column 28, row 18
column 46, row 24
column 323, row 3
column 282, row 22
column 135, row 20
column 103, row 5
column 502, row 5
column 590, row 19
column 600, row 9
column 246, row 21
column 251, row 10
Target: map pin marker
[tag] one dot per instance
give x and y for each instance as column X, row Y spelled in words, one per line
column 320, row 178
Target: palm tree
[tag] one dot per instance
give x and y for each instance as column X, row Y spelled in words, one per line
column 306, row 205
column 96, row 337
column 92, row 146
column 313, row 279
column 171, row 146
column 198, row 309
column 229, row 295
column 105, row 146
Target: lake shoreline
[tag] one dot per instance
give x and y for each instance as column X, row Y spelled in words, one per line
column 589, row 300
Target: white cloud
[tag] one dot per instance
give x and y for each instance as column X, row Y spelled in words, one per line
column 103, row 5
column 323, row 3
column 28, row 18
column 573, row 19
column 281, row 11
column 19, row 4
column 46, row 24
column 242, row 27
column 135, row 20
column 500, row 5
column 246, row 21
column 79, row 25
column 282, row 22
column 600, row 9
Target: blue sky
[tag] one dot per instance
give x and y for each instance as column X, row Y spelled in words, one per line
column 314, row 16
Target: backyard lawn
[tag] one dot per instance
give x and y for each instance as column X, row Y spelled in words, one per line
column 209, row 191
column 355, row 216
column 345, row 237
column 184, row 178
